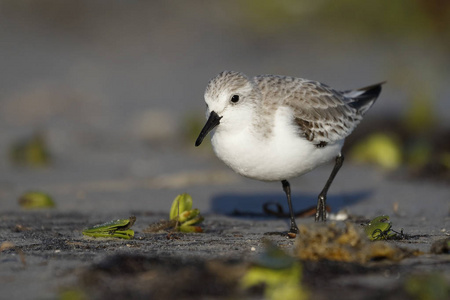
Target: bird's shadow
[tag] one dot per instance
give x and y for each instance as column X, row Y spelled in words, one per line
column 236, row 204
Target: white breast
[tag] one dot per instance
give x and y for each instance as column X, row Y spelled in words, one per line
column 282, row 155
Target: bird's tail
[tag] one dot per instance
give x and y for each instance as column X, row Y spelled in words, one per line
column 362, row 99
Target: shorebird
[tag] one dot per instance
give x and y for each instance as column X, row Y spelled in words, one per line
column 274, row 128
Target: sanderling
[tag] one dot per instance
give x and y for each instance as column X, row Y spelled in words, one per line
column 273, row 128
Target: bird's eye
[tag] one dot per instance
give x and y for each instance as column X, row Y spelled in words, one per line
column 235, row 98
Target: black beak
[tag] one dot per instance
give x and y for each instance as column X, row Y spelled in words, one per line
column 212, row 122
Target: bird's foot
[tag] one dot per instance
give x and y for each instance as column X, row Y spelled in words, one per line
column 293, row 231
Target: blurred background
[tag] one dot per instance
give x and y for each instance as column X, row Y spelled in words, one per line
column 113, row 91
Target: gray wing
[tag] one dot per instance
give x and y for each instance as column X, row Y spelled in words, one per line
column 321, row 113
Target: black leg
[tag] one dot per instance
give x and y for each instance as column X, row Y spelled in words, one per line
column 321, row 213
column 287, row 190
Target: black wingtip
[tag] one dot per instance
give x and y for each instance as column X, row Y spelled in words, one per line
column 372, row 91
column 365, row 100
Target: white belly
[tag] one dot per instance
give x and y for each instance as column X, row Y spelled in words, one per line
column 283, row 155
